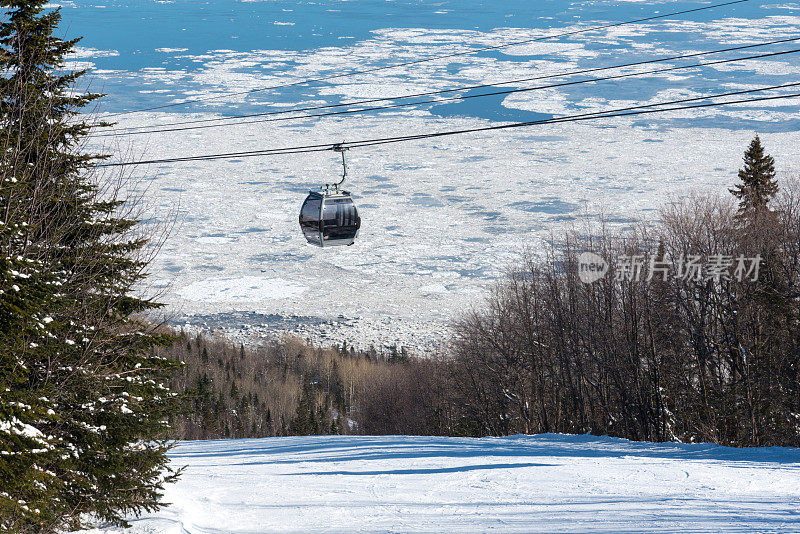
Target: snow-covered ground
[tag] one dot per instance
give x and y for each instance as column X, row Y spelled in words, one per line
column 545, row 483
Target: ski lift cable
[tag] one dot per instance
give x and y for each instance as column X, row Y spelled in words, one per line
column 588, row 116
column 130, row 130
column 462, row 97
column 426, row 60
column 627, row 111
column 630, row 110
column 371, row 142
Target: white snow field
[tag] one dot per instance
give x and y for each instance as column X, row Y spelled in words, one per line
column 543, row 483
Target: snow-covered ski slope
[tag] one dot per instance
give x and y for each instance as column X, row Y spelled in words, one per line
column 544, row 483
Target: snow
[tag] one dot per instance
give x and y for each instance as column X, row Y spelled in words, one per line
column 543, row 483
column 15, row 426
column 241, row 289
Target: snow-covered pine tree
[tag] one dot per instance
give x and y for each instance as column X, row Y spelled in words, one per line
column 758, row 185
column 83, row 398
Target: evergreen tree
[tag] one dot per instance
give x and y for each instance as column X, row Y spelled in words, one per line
column 771, row 312
column 758, row 185
column 304, row 421
column 83, row 405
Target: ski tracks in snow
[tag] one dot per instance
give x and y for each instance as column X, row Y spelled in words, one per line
column 545, row 483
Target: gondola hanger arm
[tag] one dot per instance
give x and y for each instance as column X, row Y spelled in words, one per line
column 340, row 147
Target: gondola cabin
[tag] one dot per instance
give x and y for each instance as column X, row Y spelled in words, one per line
column 329, row 219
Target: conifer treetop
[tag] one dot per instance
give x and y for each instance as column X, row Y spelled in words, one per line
column 758, row 184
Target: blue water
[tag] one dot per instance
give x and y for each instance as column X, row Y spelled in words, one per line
column 488, row 107
column 137, row 28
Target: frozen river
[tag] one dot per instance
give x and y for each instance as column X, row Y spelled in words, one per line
column 442, row 218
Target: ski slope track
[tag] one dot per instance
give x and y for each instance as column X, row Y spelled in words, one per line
column 544, row 483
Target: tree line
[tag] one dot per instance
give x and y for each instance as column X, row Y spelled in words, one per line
column 285, row 387
column 703, row 349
